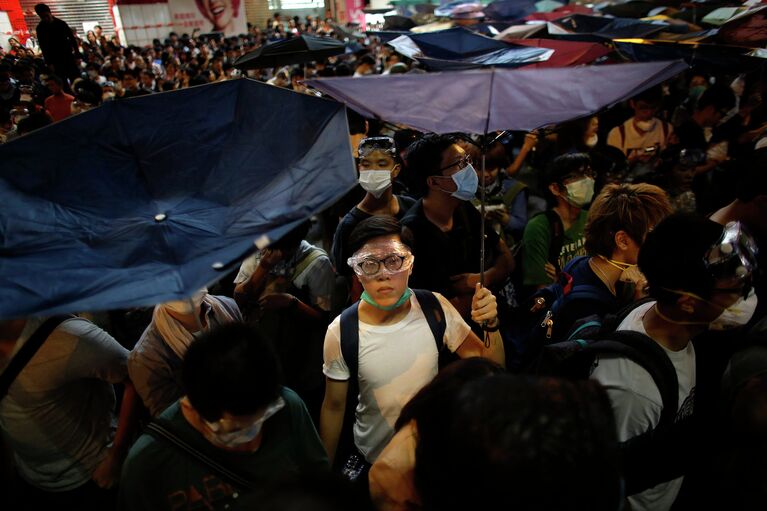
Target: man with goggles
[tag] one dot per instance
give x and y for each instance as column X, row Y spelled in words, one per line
column 378, row 165
column 699, row 275
column 397, row 353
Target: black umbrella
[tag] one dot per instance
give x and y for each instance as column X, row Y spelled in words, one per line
column 297, row 50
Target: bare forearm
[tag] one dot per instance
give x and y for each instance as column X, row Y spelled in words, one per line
column 495, row 351
column 252, row 287
column 331, row 421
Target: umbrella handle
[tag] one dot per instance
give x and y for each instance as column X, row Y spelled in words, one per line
column 482, row 224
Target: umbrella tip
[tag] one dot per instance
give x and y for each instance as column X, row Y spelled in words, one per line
column 159, row 217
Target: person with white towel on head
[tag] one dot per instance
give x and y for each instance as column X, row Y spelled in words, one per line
column 154, row 364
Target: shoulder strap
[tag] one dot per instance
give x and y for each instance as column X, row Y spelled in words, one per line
column 161, row 432
column 308, row 259
column 557, row 236
column 27, row 351
column 650, row 356
column 350, row 339
column 512, row 192
column 622, row 131
column 435, row 316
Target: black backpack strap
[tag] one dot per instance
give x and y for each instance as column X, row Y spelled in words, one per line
column 164, row 433
column 435, row 316
column 350, row 339
column 557, row 236
column 650, row 356
column 27, row 351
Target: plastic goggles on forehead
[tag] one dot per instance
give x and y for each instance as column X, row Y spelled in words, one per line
column 734, row 255
column 233, row 428
column 391, row 259
column 383, row 144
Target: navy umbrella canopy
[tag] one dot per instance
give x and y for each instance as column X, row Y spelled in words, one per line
column 148, row 199
column 458, row 48
column 483, row 101
column 296, row 50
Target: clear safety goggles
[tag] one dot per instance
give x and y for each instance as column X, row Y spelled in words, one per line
column 383, row 144
column 734, row 255
column 389, row 258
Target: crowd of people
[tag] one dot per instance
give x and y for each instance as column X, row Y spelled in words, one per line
column 369, row 359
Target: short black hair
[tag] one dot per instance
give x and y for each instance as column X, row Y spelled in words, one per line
column 523, row 437
column 752, row 179
column 233, row 368
column 42, row 8
column 672, row 256
column 653, row 95
column 424, row 157
column 374, row 227
column 55, row 79
column 293, row 237
column 720, row 97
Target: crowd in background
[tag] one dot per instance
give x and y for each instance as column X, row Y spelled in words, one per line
column 650, row 212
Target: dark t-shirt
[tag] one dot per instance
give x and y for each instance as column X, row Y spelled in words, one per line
column 440, row 255
column 691, row 136
column 340, row 252
column 159, row 475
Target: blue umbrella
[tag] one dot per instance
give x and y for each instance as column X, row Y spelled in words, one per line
column 148, row 199
column 458, row 48
column 484, row 101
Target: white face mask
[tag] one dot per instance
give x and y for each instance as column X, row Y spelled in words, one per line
column 737, row 314
column 245, row 435
column 375, row 182
column 580, row 192
column 592, row 140
column 646, row 125
column 187, row 306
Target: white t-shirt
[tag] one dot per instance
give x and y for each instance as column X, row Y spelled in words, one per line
column 395, row 362
column 637, row 403
column 632, row 139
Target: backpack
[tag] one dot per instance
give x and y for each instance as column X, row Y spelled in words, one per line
column 648, row 459
column 535, row 329
column 350, row 341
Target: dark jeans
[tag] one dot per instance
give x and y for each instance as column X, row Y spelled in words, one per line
column 88, row 497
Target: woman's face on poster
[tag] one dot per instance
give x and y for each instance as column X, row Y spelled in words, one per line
column 219, row 12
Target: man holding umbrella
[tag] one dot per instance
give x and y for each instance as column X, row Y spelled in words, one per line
column 446, row 227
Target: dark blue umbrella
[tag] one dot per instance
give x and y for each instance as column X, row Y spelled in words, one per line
column 148, row 199
column 509, row 10
column 458, row 48
column 715, row 58
column 612, row 28
column 483, row 101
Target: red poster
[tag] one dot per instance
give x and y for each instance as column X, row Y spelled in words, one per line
column 16, row 15
column 354, row 12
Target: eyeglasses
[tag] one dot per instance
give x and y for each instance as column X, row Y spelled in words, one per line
column 465, row 161
column 371, row 266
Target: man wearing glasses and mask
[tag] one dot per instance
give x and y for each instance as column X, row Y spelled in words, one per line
column 700, row 278
column 446, row 227
column 236, row 429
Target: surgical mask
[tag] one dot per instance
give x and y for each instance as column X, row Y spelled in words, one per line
column 646, row 125
column 233, row 439
column 737, row 314
column 592, row 140
column 375, row 182
column 697, row 91
column 580, row 192
column 466, row 182
column 187, row 306
column 402, row 299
